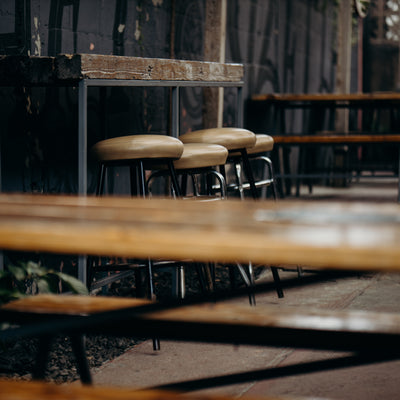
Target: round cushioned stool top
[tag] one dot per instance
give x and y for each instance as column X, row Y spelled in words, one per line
column 230, row 138
column 136, row 147
column 263, row 144
column 201, row 155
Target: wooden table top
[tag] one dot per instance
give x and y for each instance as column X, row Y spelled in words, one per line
column 71, row 68
column 12, row 390
column 335, row 138
column 360, row 236
column 328, row 97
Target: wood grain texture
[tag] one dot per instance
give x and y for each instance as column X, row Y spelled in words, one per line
column 93, row 66
column 70, row 69
column 22, row 390
column 328, row 97
column 71, row 305
column 307, row 327
column 336, row 139
column 358, row 236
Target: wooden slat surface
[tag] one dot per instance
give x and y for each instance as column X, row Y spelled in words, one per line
column 358, row 236
column 269, row 325
column 328, row 97
column 336, row 139
column 20, row 390
column 25, row 70
column 71, row 305
column 267, row 316
column 94, row 66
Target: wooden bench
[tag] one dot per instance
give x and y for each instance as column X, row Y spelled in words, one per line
column 267, row 113
column 336, row 140
column 331, row 139
column 267, row 233
column 20, row 390
column 317, row 235
column 370, row 336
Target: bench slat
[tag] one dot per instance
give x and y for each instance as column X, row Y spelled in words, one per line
column 228, row 231
column 20, row 390
column 335, row 139
column 222, row 322
column 327, row 97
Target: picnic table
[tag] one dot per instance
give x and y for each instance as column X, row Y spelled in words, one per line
column 334, row 236
column 272, row 109
column 339, row 235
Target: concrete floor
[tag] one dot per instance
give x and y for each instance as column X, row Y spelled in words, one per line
column 177, row 361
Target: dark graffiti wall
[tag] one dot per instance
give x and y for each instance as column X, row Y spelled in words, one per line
column 286, row 46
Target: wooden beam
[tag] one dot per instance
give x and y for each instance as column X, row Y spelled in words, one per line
column 25, row 70
column 343, row 71
column 214, row 50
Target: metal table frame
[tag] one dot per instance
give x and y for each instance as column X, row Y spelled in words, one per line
column 83, row 86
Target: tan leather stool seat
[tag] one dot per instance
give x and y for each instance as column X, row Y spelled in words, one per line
column 230, row 138
column 201, row 155
column 138, row 147
column 263, row 144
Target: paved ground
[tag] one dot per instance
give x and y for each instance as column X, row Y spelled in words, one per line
column 142, row 367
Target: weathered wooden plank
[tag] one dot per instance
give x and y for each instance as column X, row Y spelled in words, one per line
column 93, row 66
column 214, row 50
column 328, row 97
column 334, row 235
column 70, row 305
column 64, row 69
column 219, row 322
column 20, row 390
column 336, row 139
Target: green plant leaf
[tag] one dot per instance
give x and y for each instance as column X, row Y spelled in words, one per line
column 19, row 273
column 74, row 284
column 33, row 268
column 43, row 285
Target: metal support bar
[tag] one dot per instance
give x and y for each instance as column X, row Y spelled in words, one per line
column 240, row 107
column 82, row 162
column 175, row 112
column 82, row 138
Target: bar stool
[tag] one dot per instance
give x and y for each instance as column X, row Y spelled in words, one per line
column 263, row 145
column 138, row 152
column 197, row 160
column 235, row 140
column 168, row 156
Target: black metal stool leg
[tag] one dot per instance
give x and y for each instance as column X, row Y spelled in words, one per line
column 101, row 179
column 174, row 179
column 200, row 269
column 248, row 279
column 249, row 173
column 277, row 281
column 156, row 341
column 141, row 179
column 79, row 349
column 42, row 357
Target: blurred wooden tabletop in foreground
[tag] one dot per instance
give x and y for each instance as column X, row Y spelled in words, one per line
column 360, row 236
